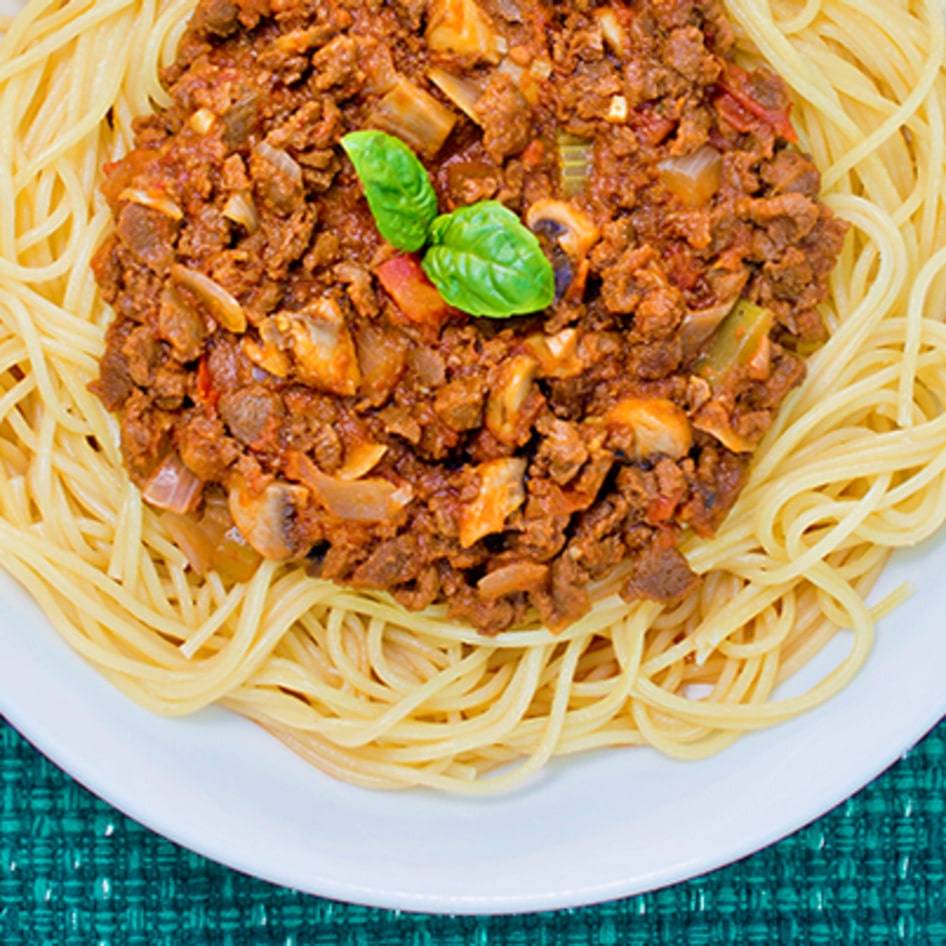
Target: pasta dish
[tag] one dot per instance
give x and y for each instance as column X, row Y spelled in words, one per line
column 447, row 386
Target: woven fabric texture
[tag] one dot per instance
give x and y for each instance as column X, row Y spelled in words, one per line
column 75, row 872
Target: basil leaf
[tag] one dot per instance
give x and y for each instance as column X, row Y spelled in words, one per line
column 485, row 262
column 397, row 187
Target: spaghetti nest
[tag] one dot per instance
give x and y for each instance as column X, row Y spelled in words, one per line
column 853, row 467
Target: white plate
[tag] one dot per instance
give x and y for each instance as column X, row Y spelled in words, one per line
column 590, row 829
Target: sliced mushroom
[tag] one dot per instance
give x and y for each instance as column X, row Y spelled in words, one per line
column 713, row 419
column 507, row 397
column 272, row 360
column 571, row 227
column 557, row 354
column 267, row 519
column 573, row 233
column 501, row 492
column 321, row 346
column 659, row 426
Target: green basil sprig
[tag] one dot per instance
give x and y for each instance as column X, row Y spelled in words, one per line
column 396, row 186
column 481, row 258
column 485, row 262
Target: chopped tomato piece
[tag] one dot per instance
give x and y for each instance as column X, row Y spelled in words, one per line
column 662, row 508
column 735, row 101
column 534, row 154
column 413, row 293
column 650, row 126
column 205, row 383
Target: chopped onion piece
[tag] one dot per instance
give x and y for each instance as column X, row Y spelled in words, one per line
column 617, row 111
column 155, row 200
column 509, row 67
column 378, row 66
column 525, row 80
column 370, row 500
column 510, row 10
column 233, row 558
column 361, row 459
column 513, row 578
column 611, row 29
column 202, row 121
column 462, row 92
column 173, row 486
column 241, row 209
column 382, row 354
column 694, row 178
column 462, row 28
column 280, row 159
column 415, row 116
column 192, row 539
column 223, row 307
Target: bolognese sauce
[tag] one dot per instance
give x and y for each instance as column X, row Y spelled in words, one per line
column 292, row 386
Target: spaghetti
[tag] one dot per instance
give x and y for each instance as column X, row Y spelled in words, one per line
column 854, row 466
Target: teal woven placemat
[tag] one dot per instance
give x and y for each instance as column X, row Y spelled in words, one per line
column 75, row 872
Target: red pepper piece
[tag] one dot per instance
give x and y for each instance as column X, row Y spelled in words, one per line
column 414, row 294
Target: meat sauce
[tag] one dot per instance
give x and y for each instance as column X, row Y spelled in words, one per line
column 274, row 362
